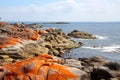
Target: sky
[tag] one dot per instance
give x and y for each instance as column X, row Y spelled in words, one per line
column 60, row 10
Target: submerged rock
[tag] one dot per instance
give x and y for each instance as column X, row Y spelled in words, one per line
column 83, row 35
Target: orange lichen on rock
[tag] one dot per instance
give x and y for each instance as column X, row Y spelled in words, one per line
column 60, row 72
column 5, row 42
column 14, row 31
column 2, row 23
column 42, row 32
column 37, row 69
column 33, row 36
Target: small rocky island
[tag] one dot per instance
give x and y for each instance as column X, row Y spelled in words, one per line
column 80, row 34
column 31, row 54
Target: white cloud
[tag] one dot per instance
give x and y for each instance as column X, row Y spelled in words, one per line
column 65, row 10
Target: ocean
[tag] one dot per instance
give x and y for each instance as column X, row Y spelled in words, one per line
column 107, row 44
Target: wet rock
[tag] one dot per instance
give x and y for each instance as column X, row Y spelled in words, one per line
column 83, row 35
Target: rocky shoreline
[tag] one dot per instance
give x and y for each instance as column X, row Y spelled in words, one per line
column 18, row 42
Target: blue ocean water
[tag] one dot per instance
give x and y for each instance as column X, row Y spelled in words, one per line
column 107, row 45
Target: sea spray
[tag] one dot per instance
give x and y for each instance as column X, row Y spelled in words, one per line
column 111, row 48
column 101, row 37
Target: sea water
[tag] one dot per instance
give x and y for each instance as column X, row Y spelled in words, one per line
column 106, row 45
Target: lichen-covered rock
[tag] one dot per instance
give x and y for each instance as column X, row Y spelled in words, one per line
column 80, row 34
column 2, row 24
column 7, row 41
column 16, row 32
column 42, row 32
column 43, row 67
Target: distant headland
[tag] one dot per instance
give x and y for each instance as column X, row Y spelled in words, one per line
column 56, row 23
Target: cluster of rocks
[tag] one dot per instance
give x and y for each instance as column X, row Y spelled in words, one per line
column 80, row 34
column 16, row 32
column 24, row 25
column 95, row 68
column 21, row 43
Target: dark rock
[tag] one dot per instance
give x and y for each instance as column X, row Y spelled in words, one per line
column 99, row 74
column 100, row 69
column 97, row 59
column 113, row 66
column 116, row 78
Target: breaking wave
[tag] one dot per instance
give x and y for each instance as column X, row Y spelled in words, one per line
column 101, row 37
column 112, row 48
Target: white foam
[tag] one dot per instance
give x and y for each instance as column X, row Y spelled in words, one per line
column 112, row 48
column 101, row 37
column 92, row 47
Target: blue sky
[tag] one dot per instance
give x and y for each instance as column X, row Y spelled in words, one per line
column 24, row 2
column 60, row 10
